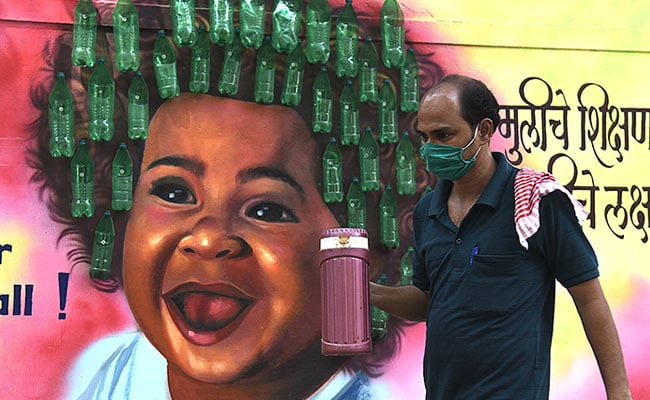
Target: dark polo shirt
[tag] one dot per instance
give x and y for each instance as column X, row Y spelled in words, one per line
column 491, row 301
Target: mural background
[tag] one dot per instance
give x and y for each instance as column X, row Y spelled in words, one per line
column 563, row 47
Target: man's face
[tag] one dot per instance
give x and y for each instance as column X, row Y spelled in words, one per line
column 220, row 256
column 440, row 121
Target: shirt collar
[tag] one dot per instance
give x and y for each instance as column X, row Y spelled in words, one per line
column 491, row 196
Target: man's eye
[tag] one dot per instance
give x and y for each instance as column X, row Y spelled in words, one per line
column 271, row 212
column 173, row 193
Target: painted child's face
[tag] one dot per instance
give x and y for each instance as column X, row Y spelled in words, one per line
column 220, row 257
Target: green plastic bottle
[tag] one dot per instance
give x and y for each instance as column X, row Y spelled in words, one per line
column 265, row 73
column 101, row 102
column 61, row 118
column 392, row 34
column 126, row 31
column 200, row 64
column 406, row 268
column 379, row 317
column 322, row 100
column 183, row 16
column 231, row 70
column 102, row 255
column 122, row 182
column 349, row 115
column 164, row 63
column 368, row 58
column 346, row 62
column 356, row 205
column 369, row 161
column 387, row 114
column 405, row 154
column 388, row 227
column 251, row 23
column 293, row 77
column 319, row 26
column 83, row 182
column 222, row 21
column 410, row 85
column 138, row 108
column 84, row 34
column 332, row 173
column 286, row 19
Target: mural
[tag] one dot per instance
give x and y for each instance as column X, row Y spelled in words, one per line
column 571, row 104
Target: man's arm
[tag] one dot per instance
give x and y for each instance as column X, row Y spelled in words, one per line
column 601, row 332
column 405, row 302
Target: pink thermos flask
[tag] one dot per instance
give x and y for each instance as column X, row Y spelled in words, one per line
column 344, row 292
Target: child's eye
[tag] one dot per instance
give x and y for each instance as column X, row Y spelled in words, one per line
column 173, row 193
column 271, row 212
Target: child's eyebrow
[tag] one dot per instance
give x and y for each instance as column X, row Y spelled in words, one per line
column 195, row 166
column 272, row 173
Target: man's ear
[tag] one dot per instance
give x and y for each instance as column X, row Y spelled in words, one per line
column 485, row 129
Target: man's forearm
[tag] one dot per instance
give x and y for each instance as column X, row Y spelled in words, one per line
column 405, row 302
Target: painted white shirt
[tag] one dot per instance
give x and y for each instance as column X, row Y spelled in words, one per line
column 127, row 367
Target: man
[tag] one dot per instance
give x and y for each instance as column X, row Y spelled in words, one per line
column 485, row 270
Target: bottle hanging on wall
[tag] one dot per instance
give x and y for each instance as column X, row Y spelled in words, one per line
column 346, row 62
column 349, row 115
column 183, row 16
column 84, row 34
column 356, row 205
column 406, row 267
column 387, row 114
column 61, row 118
column 102, row 255
column 200, row 63
column 319, row 25
column 322, row 102
column 138, row 109
column 392, row 34
column 379, row 317
column 410, row 85
column 82, row 180
column 164, row 63
column 293, row 77
column 369, row 161
column 332, row 173
column 265, row 73
column 126, row 30
column 388, row 227
column 251, row 23
column 286, row 19
column 368, row 59
column 222, row 21
column 101, row 102
column 405, row 154
column 122, row 179
column 231, row 70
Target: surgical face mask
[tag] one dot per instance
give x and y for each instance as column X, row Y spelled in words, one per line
column 447, row 162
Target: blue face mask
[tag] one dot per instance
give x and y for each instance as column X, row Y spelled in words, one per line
column 447, row 162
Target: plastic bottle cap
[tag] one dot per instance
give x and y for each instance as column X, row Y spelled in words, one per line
column 386, row 80
column 323, row 68
column 138, row 73
column 161, row 32
column 368, row 129
column 389, row 188
column 355, row 180
column 348, row 82
column 100, row 59
column 60, row 74
column 107, row 213
column 122, row 145
column 332, row 140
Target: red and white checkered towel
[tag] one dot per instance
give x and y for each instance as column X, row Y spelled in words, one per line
column 530, row 187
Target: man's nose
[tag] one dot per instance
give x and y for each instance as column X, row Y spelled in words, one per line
column 209, row 239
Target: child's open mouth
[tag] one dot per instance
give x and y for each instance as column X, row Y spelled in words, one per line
column 205, row 314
